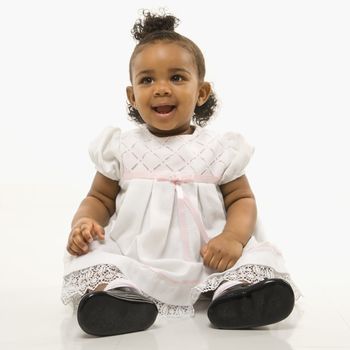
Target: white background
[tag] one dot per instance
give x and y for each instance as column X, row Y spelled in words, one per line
column 281, row 72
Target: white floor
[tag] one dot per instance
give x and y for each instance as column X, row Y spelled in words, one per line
column 35, row 319
column 34, row 223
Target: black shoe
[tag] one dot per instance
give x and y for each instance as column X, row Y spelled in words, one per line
column 116, row 311
column 252, row 305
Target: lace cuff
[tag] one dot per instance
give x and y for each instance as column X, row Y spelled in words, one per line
column 77, row 283
column 248, row 273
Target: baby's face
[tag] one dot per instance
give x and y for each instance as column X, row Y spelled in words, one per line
column 165, row 88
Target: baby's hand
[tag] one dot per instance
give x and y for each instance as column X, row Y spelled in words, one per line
column 82, row 234
column 221, row 252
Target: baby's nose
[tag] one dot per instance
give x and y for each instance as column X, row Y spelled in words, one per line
column 162, row 89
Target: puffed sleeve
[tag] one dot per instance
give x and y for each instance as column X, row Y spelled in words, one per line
column 237, row 155
column 104, row 152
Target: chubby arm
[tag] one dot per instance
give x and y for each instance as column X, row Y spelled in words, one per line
column 222, row 252
column 93, row 214
column 240, row 208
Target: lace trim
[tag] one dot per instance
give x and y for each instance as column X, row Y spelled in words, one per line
column 175, row 311
column 77, row 283
column 248, row 273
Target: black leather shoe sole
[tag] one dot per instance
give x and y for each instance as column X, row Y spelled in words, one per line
column 116, row 311
column 253, row 305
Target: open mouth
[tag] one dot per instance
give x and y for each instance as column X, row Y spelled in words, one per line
column 166, row 109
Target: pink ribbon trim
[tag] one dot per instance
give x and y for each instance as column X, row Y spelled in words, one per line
column 183, row 203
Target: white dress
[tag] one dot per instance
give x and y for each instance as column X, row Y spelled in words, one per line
column 169, row 205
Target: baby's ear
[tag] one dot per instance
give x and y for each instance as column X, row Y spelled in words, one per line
column 203, row 94
column 131, row 96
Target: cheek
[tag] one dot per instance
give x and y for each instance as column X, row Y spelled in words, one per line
column 191, row 101
column 142, row 94
column 139, row 99
column 188, row 96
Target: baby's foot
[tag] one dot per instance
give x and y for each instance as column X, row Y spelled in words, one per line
column 249, row 305
column 115, row 311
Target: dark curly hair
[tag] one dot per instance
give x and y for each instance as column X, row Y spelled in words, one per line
column 159, row 27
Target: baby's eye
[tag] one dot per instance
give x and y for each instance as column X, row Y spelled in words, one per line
column 177, row 77
column 146, row 80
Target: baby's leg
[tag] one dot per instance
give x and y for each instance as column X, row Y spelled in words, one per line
column 100, row 287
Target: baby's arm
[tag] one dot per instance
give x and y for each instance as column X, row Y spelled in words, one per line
column 93, row 214
column 222, row 252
